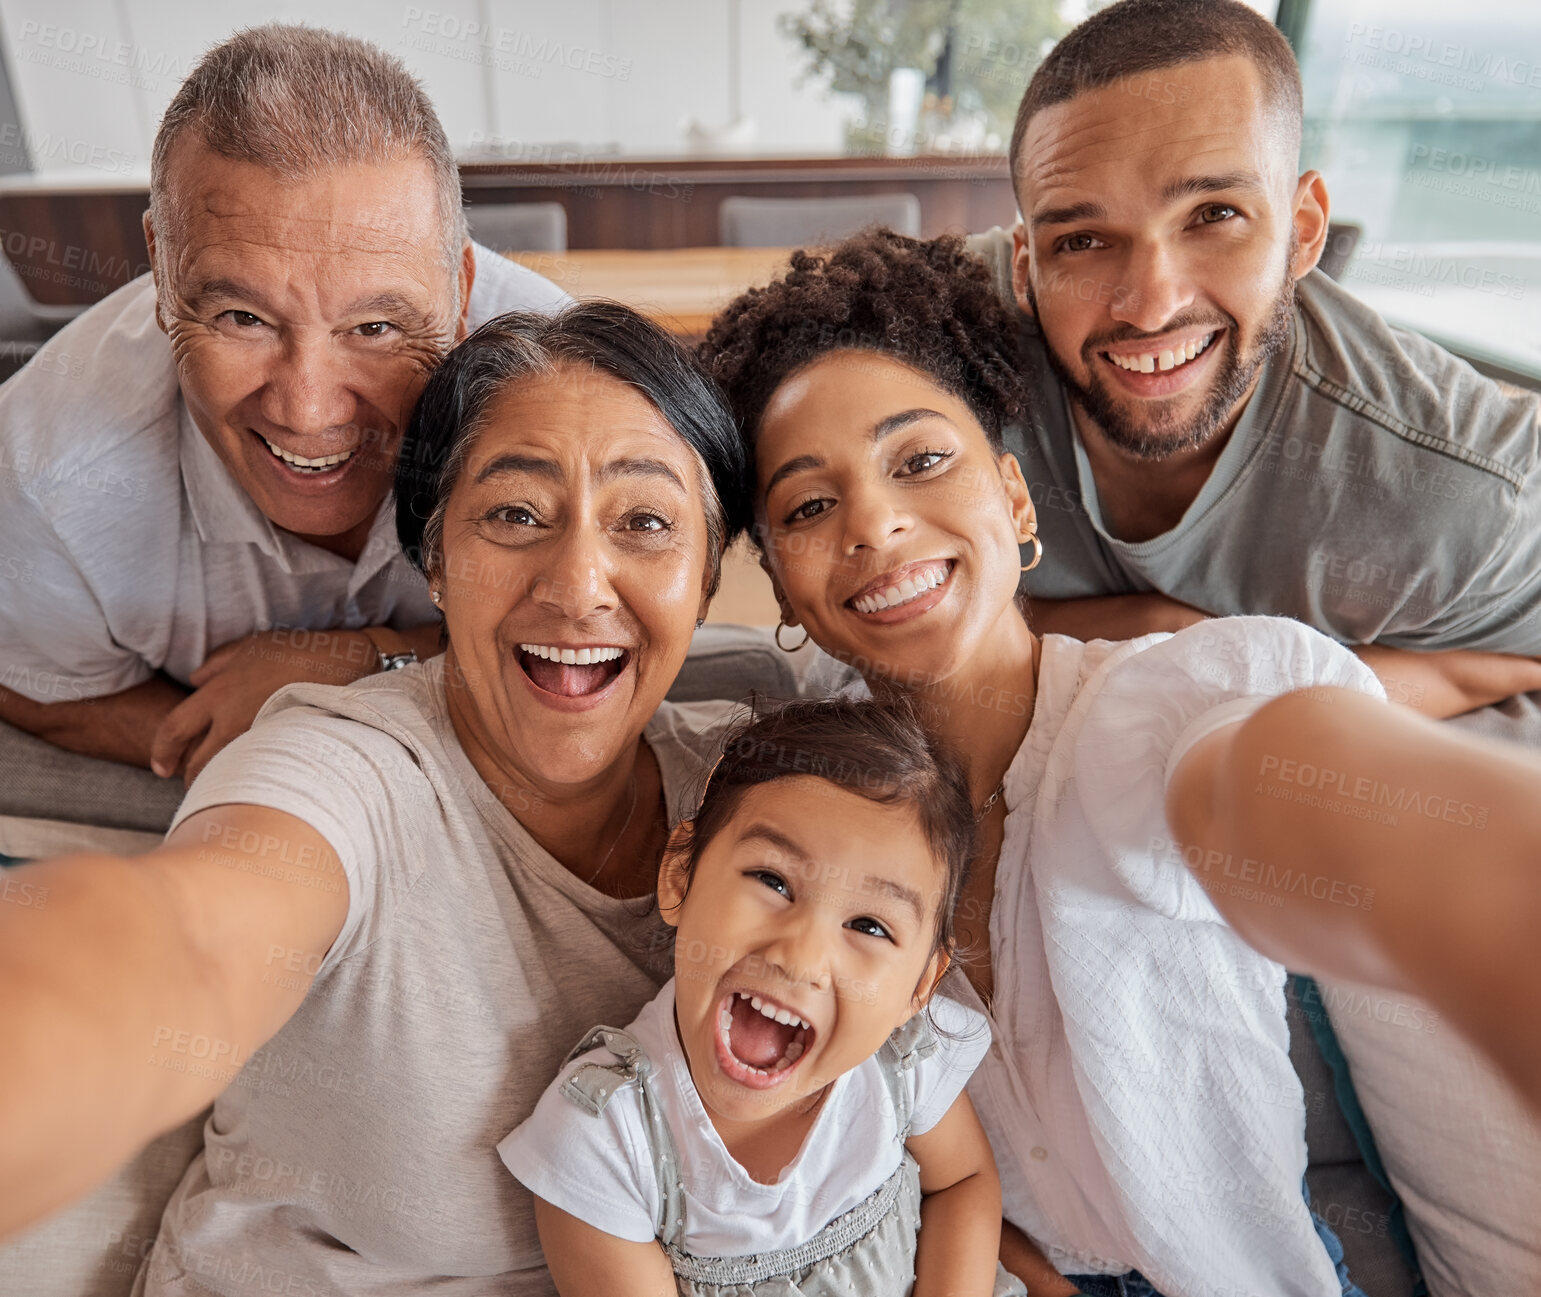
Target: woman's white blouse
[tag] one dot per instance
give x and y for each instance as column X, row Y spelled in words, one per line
column 1139, row 1094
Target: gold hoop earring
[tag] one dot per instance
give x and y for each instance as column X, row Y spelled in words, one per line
column 781, row 626
column 1037, row 551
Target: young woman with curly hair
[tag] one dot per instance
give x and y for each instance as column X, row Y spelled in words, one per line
column 1140, row 1100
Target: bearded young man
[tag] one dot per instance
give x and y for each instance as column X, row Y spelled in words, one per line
column 216, row 488
column 1221, row 429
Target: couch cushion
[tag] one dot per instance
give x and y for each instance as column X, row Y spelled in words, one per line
column 733, row 662
column 1462, row 1150
column 1358, row 1211
column 1344, row 1192
column 42, row 782
column 1329, row 1138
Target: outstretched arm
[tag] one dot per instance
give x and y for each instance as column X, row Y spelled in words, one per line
column 118, row 973
column 1419, row 844
column 960, row 1213
column 587, row 1262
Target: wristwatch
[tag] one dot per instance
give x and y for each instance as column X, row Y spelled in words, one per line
column 390, row 661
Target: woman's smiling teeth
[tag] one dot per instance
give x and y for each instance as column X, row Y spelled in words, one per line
column 1149, row 362
column 912, row 587
column 300, row 464
column 571, row 657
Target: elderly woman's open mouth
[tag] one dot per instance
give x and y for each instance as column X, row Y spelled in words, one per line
column 572, row 670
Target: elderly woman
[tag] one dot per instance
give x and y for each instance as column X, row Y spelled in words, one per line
column 1139, row 1096
column 384, row 913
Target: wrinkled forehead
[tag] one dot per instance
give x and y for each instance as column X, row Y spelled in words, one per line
column 1137, row 135
column 574, row 421
column 386, row 207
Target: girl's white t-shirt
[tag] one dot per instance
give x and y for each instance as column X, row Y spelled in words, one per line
column 600, row 1169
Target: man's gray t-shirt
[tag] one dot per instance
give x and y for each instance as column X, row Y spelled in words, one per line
column 356, row 1151
column 1376, row 488
column 126, row 545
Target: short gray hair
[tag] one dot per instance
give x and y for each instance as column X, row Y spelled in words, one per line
column 298, row 101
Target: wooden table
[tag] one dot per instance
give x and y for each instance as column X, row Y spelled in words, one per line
column 681, row 288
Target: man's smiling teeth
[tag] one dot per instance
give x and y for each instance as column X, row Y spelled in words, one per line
column 308, row 465
column 910, row 588
column 573, row 657
column 1170, row 358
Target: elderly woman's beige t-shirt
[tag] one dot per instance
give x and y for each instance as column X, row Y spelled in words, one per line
column 356, row 1151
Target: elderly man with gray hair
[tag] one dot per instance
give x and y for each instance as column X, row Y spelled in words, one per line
column 215, row 492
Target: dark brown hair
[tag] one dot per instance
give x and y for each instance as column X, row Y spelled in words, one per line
column 1137, row 36
column 876, row 749
column 927, row 303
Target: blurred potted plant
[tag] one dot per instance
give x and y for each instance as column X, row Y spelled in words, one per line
column 976, row 57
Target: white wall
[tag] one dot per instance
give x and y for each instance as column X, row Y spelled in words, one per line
column 533, row 78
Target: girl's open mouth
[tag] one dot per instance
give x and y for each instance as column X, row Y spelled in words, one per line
column 759, row 1043
column 572, row 672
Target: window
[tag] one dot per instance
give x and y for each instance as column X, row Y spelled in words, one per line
column 1426, row 122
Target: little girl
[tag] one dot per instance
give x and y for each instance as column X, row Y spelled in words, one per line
column 782, row 1117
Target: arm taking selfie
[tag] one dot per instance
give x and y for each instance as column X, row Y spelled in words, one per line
column 113, row 968
column 1456, row 892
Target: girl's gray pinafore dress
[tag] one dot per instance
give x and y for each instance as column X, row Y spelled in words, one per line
column 867, row 1252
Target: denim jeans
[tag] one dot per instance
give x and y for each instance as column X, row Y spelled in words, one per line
column 1134, row 1284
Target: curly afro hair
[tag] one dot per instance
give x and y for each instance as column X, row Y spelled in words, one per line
column 925, row 302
